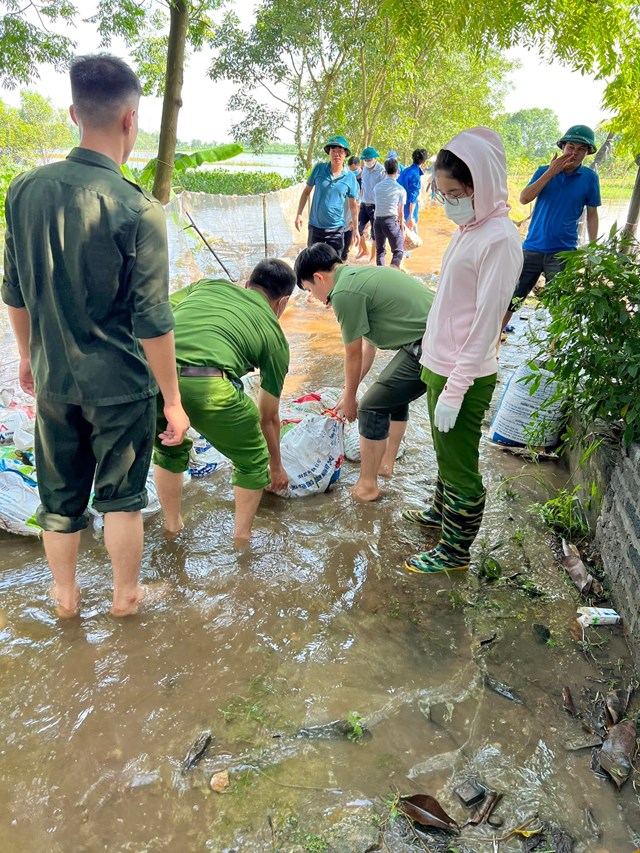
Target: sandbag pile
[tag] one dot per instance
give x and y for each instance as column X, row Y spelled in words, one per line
column 19, row 498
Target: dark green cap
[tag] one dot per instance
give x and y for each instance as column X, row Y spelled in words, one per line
column 337, row 140
column 581, row 135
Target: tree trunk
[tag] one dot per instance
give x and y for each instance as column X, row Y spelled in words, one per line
column 603, row 153
column 365, row 100
column 634, row 209
column 172, row 101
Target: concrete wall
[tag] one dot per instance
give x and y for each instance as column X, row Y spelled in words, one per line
column 618, row 538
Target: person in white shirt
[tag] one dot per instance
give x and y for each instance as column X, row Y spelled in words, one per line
column 390, row 199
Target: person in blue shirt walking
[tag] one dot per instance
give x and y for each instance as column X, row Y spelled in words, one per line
column 333, row 184
column 561, row 191
column 411, row 179
column 353, row 164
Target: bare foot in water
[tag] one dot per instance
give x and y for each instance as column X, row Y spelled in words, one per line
column 365, row 494
column 67, row 605
column 241, row 543
column 385, row 470
column 170, row 533
column 145, row 596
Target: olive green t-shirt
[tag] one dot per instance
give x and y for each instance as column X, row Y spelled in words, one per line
column 219, row 324
column 385, row 306
column 86, row 255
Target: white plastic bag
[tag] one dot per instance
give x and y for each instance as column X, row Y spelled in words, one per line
column 204, row 459
column 514, row 422
column 312, row 452
column 12, row 418
column 412, row 240
column 19, row 501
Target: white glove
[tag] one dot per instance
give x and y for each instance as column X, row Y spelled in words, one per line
column 444, row 417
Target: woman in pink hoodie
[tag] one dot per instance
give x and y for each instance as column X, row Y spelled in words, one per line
column 479, row 271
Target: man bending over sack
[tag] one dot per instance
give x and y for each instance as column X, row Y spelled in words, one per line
column 223, row 331
column 376, row 307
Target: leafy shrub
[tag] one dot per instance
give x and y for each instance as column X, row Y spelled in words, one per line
column 593, row 343
column 564, row 515
column 232, row 183
column 8, row 170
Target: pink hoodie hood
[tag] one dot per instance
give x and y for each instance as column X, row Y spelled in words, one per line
column 483, row 152
column 480, row 270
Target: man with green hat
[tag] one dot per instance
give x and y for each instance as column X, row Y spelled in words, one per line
column 372, row 174
column 562, row 190
column 333, row 185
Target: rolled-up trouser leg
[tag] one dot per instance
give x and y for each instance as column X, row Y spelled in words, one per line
column 389, row 397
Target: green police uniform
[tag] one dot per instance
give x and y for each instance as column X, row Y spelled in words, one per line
column 221, row 325
column 86, row 254
column 389, row 309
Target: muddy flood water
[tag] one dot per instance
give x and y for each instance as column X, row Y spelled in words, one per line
column 316, row 622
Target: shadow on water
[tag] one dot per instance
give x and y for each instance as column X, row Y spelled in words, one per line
column 314, row 621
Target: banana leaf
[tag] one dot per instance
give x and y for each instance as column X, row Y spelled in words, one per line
column 182, row 162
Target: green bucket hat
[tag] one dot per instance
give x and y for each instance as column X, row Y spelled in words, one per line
column 369, row 153
column 337, row 140
column 581, row 135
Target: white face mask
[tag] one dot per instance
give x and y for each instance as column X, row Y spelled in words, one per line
column 461, row 213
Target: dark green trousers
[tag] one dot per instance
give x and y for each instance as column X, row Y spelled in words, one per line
column 75, row 444
column 457, row 451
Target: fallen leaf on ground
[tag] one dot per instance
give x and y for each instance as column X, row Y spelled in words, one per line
column 197, row 751
column 567, row 701
column 585, row 583
column 427, row 811
column 616, row 755
column 616, row 703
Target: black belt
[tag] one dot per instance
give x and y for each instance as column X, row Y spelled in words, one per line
column 199, row 370
column 387, row 217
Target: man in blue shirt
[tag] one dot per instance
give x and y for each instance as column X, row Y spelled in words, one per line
column 411, row 178
column 353, row 164
column 562, row 190
column 333, row 184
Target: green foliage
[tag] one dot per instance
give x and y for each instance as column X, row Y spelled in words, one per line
column 246, row 710
column 26, row 39
column 563, row 514
column 489, row 567
column 595, row 335
column 30, row 132
column 357, row 729
column 312, row 843
column 182, row 162
column 233, row 183
column 530, row 134
column 49, row 128
column 394, row 607
column 328, row 70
